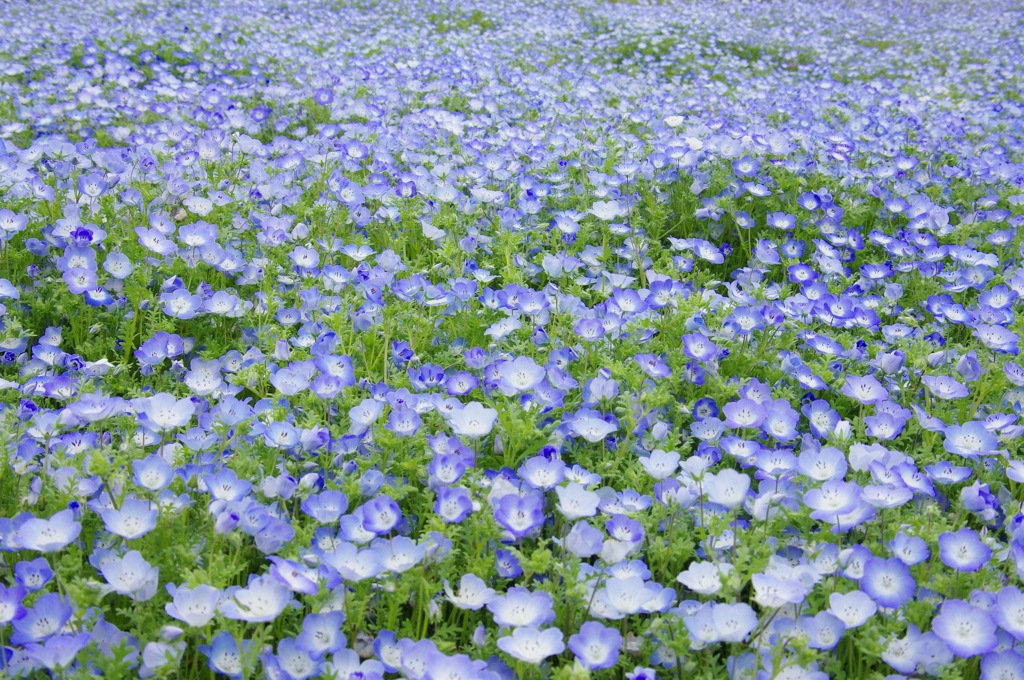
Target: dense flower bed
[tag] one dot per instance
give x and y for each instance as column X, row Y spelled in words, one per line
column 481, row 340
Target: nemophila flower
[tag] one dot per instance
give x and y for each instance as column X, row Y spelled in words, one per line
column 381, row 515
column 542, row 473
column 404, row 422
column 653, row 366
column 453, row 504
column 888, row 582
column 595, row 646
column 823, row 630
column 584, row 540
column 351, row 563
column 853, row 608
column 46, row 617
column 744, row 413
column 194, row 606
column 163, row 412
column 728, row 488
column 519, row 515
column 660, row 464
column 608, row 210
column 910, row 550
column 290, row 661
column 884, row 426
column 224, row 655
column 822, row 465
column 11, row 603
column 865, row 389
column 473, row 593
column 963, row 550
column 704, row 578
column 364, row 415
column 732, row 622
column 970, row 439
column 705, row 408
column 1008, row 611
column 299, row 578
column 967, row 630
column 262, row 600
column 519, row 375
column 134, row 518
column 519, row 607
column 591, row 426
column 130, row 575
column 576, row 502
column 947, row 473
column 997, row 338
column 398, row 554
column 321, row 634
column 507, row 564
column 32, row 576
column 474, row 420
column 1004, row 665
column 832, row 499
column 887, row 496
column 226, row 486
column 698, row 347
column 325, row 507
column 708, row 430
column 944, row 387
column 48, row 535
column 621, row 528
column 57, row 652
column 774, row 591
column 532, row 645
column 289, row 382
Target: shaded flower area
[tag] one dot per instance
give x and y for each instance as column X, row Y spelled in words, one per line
column 489, row 340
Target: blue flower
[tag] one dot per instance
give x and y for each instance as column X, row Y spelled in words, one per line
column 224, row 655
column 134, row 518
column 595, row 646
column 963, row 550
column 50, row 535
column 887, row 582
column 967, row 630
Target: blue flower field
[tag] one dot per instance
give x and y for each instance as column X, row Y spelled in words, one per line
column 511, row 340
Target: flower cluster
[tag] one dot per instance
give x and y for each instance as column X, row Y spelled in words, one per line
column 494, row 340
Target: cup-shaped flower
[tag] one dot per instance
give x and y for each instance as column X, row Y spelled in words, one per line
column 262, row 600
column 532, row 645
column 130, row 575
column 967, row 630
column 853, row 608
column 473, row 593
column 133, row 519
column 595, row 646
column 164, row 412
column 453, row 504
column 865, row 389
column 576, row 502
column 520, row 514
column 224, row 655
column 381, row 515
column 963, row 550
column 49, row 535
column 474, row 420
column 888, row 582
column 194, row 606
column 321, row 634
column 520, row 607
column 57, row 652
column 728, row 488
